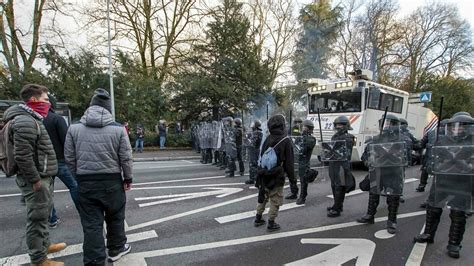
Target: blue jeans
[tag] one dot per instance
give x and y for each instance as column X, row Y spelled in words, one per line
column 162, row 142
column 139, row 145
column 66, row 177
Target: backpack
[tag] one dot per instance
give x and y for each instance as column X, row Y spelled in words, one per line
column 7, row 154
column 269, row 158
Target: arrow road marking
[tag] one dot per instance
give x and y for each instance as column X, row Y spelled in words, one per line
column 220, row 192
column 249, row 214
column 187, row 186
column 138, row 259
column 347, row 249
column 358, row 191
column 183, row 214
column 73, row 249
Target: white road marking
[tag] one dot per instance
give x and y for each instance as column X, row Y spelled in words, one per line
column 187, row 186
column 358, row 191
column 19, row 194
column 347, row 250
column 383, row 234
column 416, row 255
column 73, row 249
column 186, row 161
column 179, row 215
column 179, row 180
column 139, row 258
column 249, row 214
column 176, row 166
column 220, row 192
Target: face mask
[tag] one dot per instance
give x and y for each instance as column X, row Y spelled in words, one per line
column 333, row 108
column 41, row 108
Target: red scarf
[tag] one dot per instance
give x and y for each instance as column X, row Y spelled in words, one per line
column 41, row 108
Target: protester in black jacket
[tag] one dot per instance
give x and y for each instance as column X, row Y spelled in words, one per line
column 57, row 130
column 271, row 182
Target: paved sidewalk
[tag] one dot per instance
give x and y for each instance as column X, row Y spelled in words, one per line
column 165, row 155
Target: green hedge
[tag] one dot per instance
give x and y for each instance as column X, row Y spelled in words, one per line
column 172, row 140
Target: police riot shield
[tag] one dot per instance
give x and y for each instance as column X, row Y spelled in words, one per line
column 247, row 139
column 230, row 145
column 214, row 135
column 334, row 151
column 297, row 145
column 453, row 169
column 387, row 162
column 200, row 134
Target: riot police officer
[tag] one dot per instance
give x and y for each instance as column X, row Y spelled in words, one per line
column 230, row 146
column 296, row 128
column 254, row 150
column 304, row 156
column 453, row 171
column 340, row 171
column 386, row 170
column 412, row 142
column 239, row 133
column 427, row 143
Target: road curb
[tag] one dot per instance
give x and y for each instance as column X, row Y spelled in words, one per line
column 157, row 159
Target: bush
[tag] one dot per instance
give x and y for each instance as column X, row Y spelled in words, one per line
column 172, row 140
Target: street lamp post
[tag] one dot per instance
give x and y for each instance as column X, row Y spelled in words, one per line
column 111, row 78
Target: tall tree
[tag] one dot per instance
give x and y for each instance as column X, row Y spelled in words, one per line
column 435, row 39
column 226, row 72
column 320, row 26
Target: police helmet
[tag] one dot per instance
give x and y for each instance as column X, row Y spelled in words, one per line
column 238, row 121
column 343, row 120
column 403, row 121
column 308, row 123
column 257, row 124
column 458, row 125
column 390, row 120
column 298, row 120
column 462, row 113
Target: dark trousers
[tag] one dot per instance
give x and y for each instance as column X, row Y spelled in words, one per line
column 424, row 178
column 239, row 158
column 99, row 201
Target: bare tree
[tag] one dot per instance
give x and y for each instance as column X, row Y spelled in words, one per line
column 435, row 39
column 274, row 27
column 154, row 29
column 21, row 40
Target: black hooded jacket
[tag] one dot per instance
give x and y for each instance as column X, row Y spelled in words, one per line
column 276, row 126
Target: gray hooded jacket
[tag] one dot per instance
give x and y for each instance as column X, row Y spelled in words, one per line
column 98, row 147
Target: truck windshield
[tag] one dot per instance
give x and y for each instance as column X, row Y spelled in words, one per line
column 335, row 102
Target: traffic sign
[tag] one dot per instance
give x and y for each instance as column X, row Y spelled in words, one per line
column 425, row 97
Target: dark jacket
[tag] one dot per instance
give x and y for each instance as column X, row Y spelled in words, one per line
column 34, row 153
column 162, row 130
column 276, row 126
column 98, row 148
column 238, row 133
column 57, row 129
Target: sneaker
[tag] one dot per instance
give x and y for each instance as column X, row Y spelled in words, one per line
column 249, row 182
column 115, row 255
column 55, row 224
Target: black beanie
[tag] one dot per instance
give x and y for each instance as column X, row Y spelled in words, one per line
column 101, row 98
column 53, row 101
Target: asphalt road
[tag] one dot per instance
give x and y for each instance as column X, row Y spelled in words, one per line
column 183, row 212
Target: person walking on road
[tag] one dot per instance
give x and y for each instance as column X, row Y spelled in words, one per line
column 57, row 129
column 277, row 159
column 36, row 165
column 98, row 153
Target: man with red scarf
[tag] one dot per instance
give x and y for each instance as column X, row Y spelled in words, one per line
column 36, row 161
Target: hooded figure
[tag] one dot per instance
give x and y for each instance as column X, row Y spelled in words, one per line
column 271, row 181
column 98, row 153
